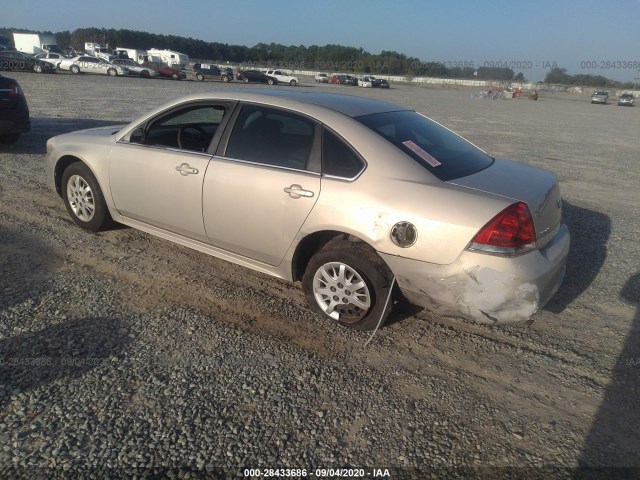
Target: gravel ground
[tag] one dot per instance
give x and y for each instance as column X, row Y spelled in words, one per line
column 123, row 354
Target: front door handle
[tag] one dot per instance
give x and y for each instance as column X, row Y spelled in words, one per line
column 186, row 169
column 296, row 191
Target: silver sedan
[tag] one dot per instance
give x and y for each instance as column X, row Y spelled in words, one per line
column 93, row 65
column 348, row 195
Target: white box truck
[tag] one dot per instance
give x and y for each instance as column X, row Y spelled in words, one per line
column 98, row 50
column 34, row 43
column 137, row 55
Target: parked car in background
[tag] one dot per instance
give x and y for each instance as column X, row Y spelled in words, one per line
column 380, row 83
column 256, row 76
column 205, row 70
column 284, row 77
column 600, row 97
column 348, row 80
column 626, row 99
column 335, row 79
column 14, row 112
column 172, row 73
column 366, row 81
column 135, row 69
column 14, row 60
column 91, row 65
column 321, row 78
column 347, row 194
column 53, row 58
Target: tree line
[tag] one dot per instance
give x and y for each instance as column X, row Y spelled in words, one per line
column 314, row 57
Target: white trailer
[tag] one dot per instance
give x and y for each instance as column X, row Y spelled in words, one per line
column 168, row 58
column 34, row 43
column 138, row 56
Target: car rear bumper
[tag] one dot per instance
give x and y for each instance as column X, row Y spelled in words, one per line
column 486, row 288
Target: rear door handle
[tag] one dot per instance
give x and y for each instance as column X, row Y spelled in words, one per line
column 296, row 191
column 186, row 169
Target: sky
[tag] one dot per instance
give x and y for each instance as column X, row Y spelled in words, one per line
column 588, row 36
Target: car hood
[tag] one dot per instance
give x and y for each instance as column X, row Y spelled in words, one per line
column 536, row 187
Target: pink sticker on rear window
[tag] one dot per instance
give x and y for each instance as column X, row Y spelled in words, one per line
column 421, row 153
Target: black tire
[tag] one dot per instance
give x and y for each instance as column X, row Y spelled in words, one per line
column 270, row 81
column 112, row 72
column 293, row 83
column 175, row 76
column 358, row 258
column 225, row 78
column 199, row 77
column 37, row 68
column 101, row 218
column 245, row 80
column 9, row 139
column 74, row 69
column 145, row 74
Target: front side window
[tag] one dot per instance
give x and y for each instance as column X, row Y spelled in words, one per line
column 442, row 152
column 272, row 137
column 190, row 128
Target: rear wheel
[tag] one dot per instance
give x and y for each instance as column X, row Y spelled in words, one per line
column 225, row 78
column 199, row 77
column 145, row 74
column 349, row 283
column 270, row 81
column 245, row 80
column 74, row 69
column 175, row 76
column 37, row 68
column 112, row 72
column 83, row 198
column 293, row 83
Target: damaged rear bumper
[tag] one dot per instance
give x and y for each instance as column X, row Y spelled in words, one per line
column 485, row 288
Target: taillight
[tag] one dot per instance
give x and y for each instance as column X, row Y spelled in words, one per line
column 15, row 90
column 511, row 232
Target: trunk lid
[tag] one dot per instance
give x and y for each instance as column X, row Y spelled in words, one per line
column 536, row 187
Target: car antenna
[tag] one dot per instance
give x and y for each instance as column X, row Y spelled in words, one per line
column 393, row 281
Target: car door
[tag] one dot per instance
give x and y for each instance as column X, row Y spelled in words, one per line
column 263, row 183
column 156, row 173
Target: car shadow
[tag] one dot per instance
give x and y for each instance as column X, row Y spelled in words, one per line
column 614, row 438
column 64, row 350
column 26, row 265
column 43, row 128
column 590, row 231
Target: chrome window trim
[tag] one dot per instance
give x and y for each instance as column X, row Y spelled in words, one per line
column 277, row 167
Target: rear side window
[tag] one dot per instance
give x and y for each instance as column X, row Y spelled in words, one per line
column 338, row 158
column 442, row 152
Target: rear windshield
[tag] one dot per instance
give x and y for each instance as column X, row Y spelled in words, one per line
column 442, row 152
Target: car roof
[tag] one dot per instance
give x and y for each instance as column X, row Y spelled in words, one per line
column 350, row 105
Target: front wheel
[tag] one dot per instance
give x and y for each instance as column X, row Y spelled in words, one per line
column 75, row 69
column 112, row 72
column 37, row 68
column 175, row 76
column 83, row 198
column 225, row 79
column 245, row 80
column 200, row 77
column 270, row 81
column 293, row 83
column 349, row 283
